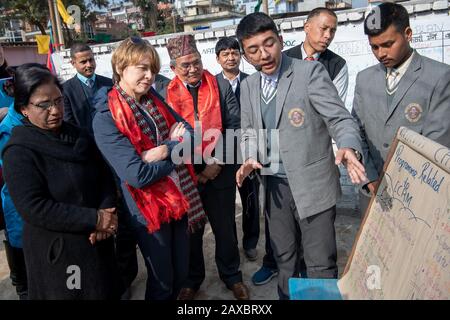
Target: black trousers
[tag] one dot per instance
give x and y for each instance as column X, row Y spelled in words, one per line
column 268, row 259
column 166, row 254
column 125, row 241
column 250, row 213
column 219, row 205
column 288, row 234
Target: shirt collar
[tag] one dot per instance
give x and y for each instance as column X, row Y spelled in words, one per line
column 304, row 54
column 84, row 79
column 187, row 85
column 401, row 70
column 238, row 77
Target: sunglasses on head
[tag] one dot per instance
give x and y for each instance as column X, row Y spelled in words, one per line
column 138, row 40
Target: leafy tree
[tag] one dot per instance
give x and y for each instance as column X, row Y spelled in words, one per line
column 36, row 12
column 149, row 10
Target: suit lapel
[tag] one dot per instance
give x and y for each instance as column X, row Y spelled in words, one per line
column 256, row 96
column 284, row 83
column 378, row 87
column 406, row 82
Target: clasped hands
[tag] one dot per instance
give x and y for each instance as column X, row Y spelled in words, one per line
column 210, row 172
column 107, row 224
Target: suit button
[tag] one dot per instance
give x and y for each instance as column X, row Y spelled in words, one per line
column 386, row 145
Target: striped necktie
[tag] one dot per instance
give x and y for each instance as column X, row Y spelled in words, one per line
column 268, row 90
column 392, row 80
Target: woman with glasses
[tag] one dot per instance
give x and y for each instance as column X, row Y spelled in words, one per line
column 136, row 132
column 64, row 192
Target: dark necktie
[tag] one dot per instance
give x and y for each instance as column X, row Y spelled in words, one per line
column 237, row 93
column 90, row 83
column 194, row 93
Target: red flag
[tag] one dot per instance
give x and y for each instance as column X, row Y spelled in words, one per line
column 50, row 65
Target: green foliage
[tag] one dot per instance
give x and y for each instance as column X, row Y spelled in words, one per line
column 36, row 12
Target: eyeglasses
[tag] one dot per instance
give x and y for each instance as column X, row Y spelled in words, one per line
column 58, row 102
column 186, row 66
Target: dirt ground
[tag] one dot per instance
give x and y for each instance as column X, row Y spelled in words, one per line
column 347, row 223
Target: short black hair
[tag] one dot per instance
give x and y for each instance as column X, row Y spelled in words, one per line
column 78, row 47
column 226, row 43
column 319, row 10
column 27, row 77
column 385, row 15
column 253, row 24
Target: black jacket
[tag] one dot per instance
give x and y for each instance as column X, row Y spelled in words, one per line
column 77, row 108
column 331, row 61
column 57, row 182
column 223, row 83
column 161, row 83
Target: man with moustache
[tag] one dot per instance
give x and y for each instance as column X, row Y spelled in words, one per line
column 79, row 91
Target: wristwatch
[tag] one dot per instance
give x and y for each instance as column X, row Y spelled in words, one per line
column 358, row 155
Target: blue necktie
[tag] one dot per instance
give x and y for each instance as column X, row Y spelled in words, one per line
column 90, row 83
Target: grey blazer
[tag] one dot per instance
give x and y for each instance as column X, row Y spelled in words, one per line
column 308, row 112
column 421, row 103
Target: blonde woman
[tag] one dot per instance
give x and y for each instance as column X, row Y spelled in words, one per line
column 136, row 131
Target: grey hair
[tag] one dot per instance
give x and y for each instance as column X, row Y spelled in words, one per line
column 173, row 62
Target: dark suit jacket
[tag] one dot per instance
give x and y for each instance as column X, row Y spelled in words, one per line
column 231, row 119
column 77, row 108
column 332, row 62
column 223, row 82
column 161, row 83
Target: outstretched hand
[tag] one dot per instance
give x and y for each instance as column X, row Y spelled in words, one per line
column 355, row 169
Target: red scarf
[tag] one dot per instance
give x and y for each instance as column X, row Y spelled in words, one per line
column 161, row 201
column 209, row 112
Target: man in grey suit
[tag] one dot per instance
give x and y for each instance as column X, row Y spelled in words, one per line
column 290, row 110
column 404, row 89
